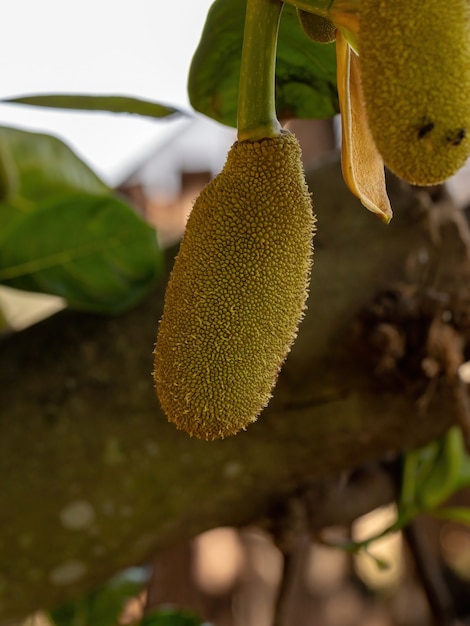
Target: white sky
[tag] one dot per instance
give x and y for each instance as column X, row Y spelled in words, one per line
column 139, row 48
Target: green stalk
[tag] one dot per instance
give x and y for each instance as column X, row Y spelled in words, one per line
column 256, row 98
column 319, row 7
column 325, row 8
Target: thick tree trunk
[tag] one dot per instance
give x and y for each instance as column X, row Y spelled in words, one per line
column 93, row 478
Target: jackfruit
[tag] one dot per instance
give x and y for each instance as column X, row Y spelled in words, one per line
column 237, row 290
column 415, row 69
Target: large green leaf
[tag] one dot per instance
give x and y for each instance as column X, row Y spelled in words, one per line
column 63, row 231
column 92, row 250
column 305, row 70
column 44, row 167
column 110, row 103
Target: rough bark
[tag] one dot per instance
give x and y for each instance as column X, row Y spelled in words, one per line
column 93, row 478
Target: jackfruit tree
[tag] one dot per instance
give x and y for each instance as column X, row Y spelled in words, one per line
column 370, row 366
column 216, row 362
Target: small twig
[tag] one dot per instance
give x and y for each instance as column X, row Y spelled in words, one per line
column 462, row 402
column 291, row 535
column 429, row 573
column 289, row 568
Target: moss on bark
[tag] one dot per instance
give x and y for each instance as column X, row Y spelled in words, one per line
column 92, row 476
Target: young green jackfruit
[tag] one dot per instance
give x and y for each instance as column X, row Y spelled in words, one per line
column 237, row 290
column 415, row 69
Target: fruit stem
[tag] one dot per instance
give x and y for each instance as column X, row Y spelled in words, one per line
column 319, row 7
column 256, row 97
column 325, row 8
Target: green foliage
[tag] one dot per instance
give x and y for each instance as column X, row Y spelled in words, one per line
column 101, row 607
column 44, row 167
column 91, row 250
column 170, row 617
column 104, row 606
column 431, row 474
column 434, row 472
column 305, row 70
column 64, row 232
column 113, row 104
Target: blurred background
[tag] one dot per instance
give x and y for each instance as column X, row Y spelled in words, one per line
column 140, row 48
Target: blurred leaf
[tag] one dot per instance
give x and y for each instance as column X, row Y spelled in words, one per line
column 381, row 564
column 443, row 477
column 8, row 214
column 430, row 475
column 454, row 514
column 305, row 70
column 4, row 324
column 8, row 173
column 44, row 167
column 417, row 464
column 97, row 608
column 64, row 232
column 112, row 104
column 354, row 547
column 463, row 479
column 170, row 617
column 94, row 251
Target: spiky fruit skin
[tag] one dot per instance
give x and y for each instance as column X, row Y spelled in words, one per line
column 237, row 290
column 415, row 69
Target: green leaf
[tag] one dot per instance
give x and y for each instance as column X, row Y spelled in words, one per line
column 8, row 173
column 354, row 547
column 431, row 474
column 101, row 607
column 305, row 70
column 417, row 465
column 382, row 564
column 464, row 474
column 8, row 214
column 170, row 617
column 442, row 480
column 454, row 514
column 113, row 104
column 4, row 324
column 64, row 232
column 44, row 167
column 94, row 251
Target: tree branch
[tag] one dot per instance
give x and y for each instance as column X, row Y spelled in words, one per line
column 93, row 478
